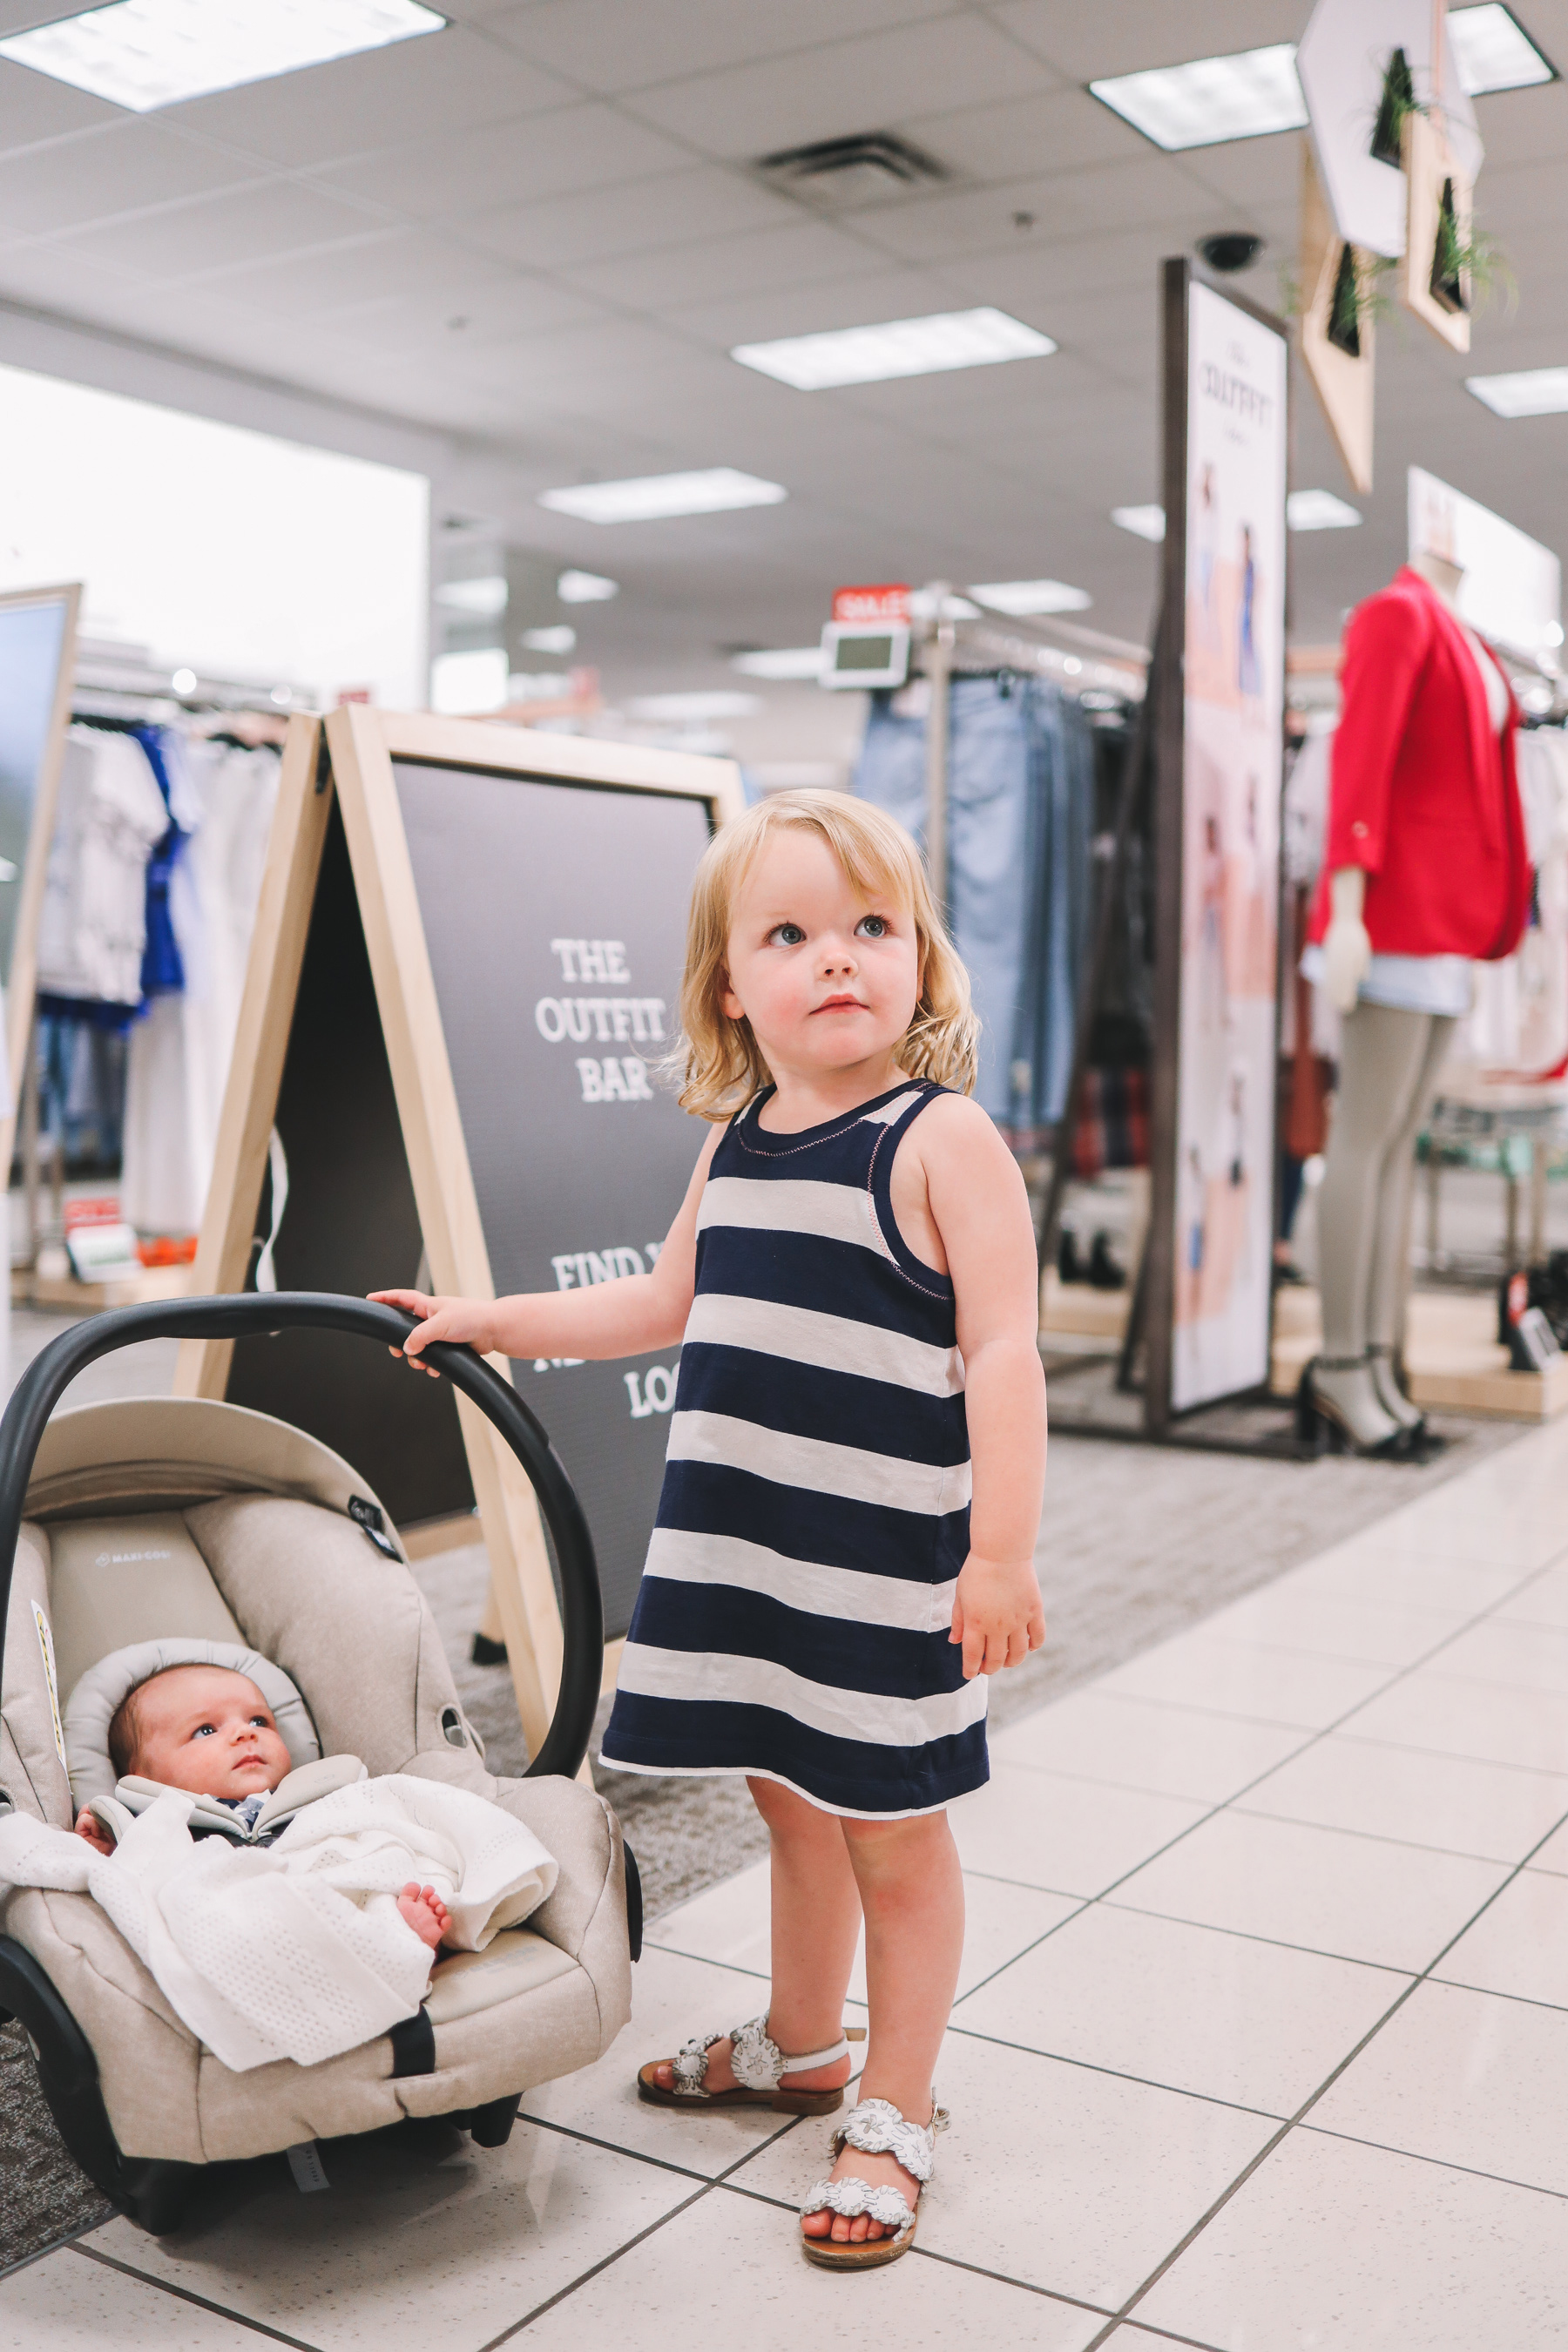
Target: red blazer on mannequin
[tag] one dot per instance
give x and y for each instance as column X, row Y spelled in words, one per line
column 1422, row 794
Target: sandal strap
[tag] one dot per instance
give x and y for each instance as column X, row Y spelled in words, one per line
column 849, row 2197
column 689, row 2066
column 755, row 2057
column 876, row 2129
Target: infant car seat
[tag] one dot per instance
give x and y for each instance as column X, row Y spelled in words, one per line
column 182, row 1519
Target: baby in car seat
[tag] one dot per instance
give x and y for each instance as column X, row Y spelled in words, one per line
column 208, row 1732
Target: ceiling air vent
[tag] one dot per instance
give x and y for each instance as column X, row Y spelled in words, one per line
column 865, row 170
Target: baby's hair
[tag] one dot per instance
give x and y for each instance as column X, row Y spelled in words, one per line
column 717, row 1061
column 125, row 1729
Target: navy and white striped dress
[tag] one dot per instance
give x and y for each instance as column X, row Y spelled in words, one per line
column 793, row 1617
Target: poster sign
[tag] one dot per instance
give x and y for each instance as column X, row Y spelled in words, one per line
column 1221, row 788
column 1511, row 591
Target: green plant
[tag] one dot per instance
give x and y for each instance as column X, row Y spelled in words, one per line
column 1467, row 265
column 1359, row 295
column 1398, row 99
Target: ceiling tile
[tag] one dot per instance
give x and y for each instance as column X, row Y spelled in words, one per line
column 677, row 208
column 1250, row 172
column 370, row 269
column 805, row 253
column 443, row 83
column 463, row 319
column 1065, row 205
column 98, row 175
column 34, row 107
column 1019, row 138
column 511, row 163
column 754, row 315
column 844, row 87
column 275, row 217
column 1527, row 126
column 605, row 46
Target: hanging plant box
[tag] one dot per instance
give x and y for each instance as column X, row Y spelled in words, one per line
column 1437, row 280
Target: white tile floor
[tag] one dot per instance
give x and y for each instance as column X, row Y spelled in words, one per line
column 1261, row 2042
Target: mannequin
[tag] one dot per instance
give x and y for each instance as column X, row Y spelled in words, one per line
column 1425, row 870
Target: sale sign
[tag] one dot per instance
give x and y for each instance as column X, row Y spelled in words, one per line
column 890, row 601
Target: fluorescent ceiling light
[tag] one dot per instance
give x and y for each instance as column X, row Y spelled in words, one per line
column 1143, row 522
column 586, row 588
column 950, row 339
column 480, row 600
column 679, row 708
column 143, row 54
column 1529, row 392
column 923, row 607
column 1493, row 50
column 1022, row 596
column 557, row 639
column 1319, row 510
column 652, row 497
column 781, row 661
column 1211, row 100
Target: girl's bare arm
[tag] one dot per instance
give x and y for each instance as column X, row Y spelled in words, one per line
column 981, row 1210
column 627, row 1318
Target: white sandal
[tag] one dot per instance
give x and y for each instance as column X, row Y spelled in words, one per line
column 876, row 2129
column 759, row 2066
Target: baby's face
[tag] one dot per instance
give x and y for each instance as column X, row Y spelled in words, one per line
column 209, row 1730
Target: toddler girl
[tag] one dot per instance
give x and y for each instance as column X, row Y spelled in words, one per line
column 853, row 1276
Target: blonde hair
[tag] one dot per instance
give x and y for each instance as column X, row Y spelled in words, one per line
column 717, row 1061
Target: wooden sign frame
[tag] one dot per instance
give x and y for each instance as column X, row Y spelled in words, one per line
column 1344, row 385
column 350, row 758
column 21, row 981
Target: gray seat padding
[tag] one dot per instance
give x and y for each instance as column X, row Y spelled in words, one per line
column 300, row 1584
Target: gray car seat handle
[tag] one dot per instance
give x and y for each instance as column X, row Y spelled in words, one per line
column 245, row 1315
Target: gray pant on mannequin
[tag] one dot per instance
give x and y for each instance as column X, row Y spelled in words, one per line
column 1390, row 1060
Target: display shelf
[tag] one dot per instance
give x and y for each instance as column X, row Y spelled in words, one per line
column 63, row 1294
column 1453, row 1357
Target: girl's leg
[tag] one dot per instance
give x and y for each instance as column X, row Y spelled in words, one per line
column 816, row 1926
column 912, row 1891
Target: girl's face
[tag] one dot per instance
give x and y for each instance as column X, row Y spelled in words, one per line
column 828, row 978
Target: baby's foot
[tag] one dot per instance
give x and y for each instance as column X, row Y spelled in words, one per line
column 425, row 1912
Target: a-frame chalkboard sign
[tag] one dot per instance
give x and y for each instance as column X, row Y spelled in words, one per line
column 464, row 969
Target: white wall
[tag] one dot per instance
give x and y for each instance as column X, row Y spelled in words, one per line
column 230, row 549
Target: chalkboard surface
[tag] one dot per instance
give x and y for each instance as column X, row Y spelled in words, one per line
column 554, row 918
column 351, row 1224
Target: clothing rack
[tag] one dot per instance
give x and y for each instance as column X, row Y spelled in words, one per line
column 117, row 689
column 950, row 640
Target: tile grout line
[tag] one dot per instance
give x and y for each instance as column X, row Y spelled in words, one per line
column 708, row 2184
column 185, row 2294
column 1442, row 2163
column 1322, row 2090
column 594, row 2270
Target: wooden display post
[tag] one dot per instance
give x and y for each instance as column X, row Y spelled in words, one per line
column 407, row 1089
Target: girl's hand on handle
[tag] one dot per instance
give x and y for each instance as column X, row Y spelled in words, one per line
column 459, row 1321
column 998, row 1613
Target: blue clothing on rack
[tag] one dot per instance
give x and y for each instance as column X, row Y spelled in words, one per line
column 1020, row 809
column 162, row 967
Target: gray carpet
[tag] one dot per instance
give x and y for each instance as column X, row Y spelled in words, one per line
column 1136, row 1543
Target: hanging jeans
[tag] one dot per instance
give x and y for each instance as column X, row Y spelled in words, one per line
column 1019, row 794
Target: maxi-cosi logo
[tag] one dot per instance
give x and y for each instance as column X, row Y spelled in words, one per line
column 119, row 1558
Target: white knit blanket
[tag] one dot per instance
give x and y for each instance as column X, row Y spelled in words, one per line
column 298, row 1949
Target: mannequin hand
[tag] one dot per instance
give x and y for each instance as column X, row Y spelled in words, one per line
column 1347, row 956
